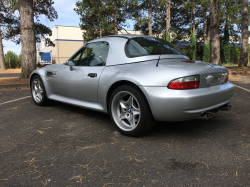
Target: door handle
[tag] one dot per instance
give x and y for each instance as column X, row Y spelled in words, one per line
column 92, row 75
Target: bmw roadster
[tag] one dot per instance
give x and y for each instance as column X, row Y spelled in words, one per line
column 137, row 80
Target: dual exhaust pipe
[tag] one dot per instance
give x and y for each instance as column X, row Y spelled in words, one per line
column 207, row 115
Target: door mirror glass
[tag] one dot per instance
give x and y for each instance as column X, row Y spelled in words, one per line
column 70, row 63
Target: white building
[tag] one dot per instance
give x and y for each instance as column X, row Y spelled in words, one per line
column 67, row 40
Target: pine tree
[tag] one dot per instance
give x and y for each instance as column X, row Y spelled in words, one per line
column 27, row 32
column 144, row 17
column 214, row 32
column 245, row 34
column 99, row 18
column 6, row 19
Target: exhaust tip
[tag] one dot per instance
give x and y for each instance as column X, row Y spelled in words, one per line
column 205, row 116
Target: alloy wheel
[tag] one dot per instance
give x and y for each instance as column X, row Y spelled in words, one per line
column 37, row 90
column 126, row 111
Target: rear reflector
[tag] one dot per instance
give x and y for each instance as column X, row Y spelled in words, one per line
column 188, row 61
column 190, row 82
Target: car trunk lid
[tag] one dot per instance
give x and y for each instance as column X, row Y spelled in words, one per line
column 210, row 74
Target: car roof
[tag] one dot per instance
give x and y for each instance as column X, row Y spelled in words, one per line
column 126, row 36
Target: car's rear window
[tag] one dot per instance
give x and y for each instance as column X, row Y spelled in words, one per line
column 141, row 46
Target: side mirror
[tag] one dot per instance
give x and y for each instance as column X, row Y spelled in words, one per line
column 71, row 65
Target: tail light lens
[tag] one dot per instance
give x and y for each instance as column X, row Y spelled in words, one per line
column 188, row 61
column 183, row 83
column 226, row 77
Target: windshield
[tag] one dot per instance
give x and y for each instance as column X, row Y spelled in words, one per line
column 141, row 46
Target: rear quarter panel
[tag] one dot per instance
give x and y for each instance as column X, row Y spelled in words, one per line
column 141, row 74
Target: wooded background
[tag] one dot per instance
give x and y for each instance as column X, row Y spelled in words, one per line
column 213, row 31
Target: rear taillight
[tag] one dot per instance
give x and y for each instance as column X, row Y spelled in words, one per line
column 188, row 61
column 226, row 77
column 182, row 83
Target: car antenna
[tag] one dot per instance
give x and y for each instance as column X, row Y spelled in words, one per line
column 158, row 59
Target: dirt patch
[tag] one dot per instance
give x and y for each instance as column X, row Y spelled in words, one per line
column 239, row 69
column 13, row 80
column 11, row 71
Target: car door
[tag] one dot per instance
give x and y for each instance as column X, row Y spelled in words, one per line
column 82, row 79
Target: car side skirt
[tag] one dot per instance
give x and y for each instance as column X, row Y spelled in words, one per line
column 83, row 104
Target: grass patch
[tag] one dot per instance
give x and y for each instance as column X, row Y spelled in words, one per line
column 13, row 80
column 10, row 71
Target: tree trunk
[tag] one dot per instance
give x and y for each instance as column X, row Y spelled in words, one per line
column 115, row 17
column 193, row 20
column 150, row 18
column 100, row 29
column 205, row 27
column 100, row 19
column 168, row 16
column 214, row 33
column 244, row 27
column 2, row 63
column 28, row 37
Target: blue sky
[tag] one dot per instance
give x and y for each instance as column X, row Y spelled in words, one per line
column 66, row 16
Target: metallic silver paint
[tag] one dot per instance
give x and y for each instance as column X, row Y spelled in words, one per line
column 75, row 87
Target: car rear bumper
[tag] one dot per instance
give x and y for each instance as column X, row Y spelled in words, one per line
column 181, row 105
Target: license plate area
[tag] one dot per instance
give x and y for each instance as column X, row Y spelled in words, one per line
column 214, row 79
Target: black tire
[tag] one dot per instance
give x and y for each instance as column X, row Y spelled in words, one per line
column 146, row 122
column 44, row 100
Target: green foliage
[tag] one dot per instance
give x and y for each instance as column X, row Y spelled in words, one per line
column 96, row 15
column 168, row 37
column 226, row 47
column 193, row 46
column 235, row 52
column 206, row 53
column 12, row 60
column 42, row 8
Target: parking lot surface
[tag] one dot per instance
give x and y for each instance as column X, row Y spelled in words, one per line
column 63, row 145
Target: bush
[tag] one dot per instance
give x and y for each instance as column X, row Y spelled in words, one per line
column 206, row 53
column 12, row 60
column 193, row 46
column 226, row 48
column 235, row 54
column 168, row 37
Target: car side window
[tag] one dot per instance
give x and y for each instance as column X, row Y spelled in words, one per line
column 75, row 59
column 94, row 54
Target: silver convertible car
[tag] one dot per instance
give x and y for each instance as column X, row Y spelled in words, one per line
column 137, row 80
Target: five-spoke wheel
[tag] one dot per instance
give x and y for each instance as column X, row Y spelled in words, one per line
column 126, row 110
column 130, row 111
column 38, row 91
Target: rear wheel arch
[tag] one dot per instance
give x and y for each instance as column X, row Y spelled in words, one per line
column 120, row 83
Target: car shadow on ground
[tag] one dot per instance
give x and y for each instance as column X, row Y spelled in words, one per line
column 193, row 128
